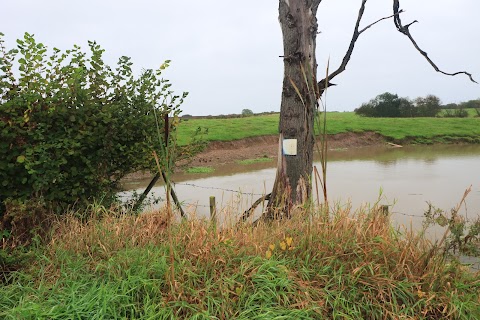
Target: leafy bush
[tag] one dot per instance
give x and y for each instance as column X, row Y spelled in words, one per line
column 12, row 261
column 71, row 127
column 455, row 113
column 386, row 105
column 450, row 106
column 461, row 236
column 24, row 221
column 470, row 104
column 429, row 106
column 247, row 112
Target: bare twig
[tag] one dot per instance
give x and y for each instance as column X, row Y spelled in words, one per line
column 349, row 52
column 405, row 30
column 374, row 23
column 356, row 34
column 400, row 27
column 248, row 212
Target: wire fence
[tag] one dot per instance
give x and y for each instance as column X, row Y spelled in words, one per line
column 239, row 192
column 255, row 194
column 474, row 266
column 217, row 188
column 195, row 205
column 408, row 214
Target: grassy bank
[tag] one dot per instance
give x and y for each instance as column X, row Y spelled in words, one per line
column 351, row 267
column 411, row 130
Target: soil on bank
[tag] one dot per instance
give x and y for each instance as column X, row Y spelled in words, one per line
column 223, row 152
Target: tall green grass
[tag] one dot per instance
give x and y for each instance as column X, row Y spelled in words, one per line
column 416, row 130
column 353, row 266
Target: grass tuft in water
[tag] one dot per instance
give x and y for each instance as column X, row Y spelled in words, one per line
column 200, row 170
column 256, row 160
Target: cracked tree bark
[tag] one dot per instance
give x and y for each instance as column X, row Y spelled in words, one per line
column 292, row 184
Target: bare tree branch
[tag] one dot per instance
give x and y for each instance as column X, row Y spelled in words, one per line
column 356, row 34
column 348, row 55
column 248, row 212
column 384, row 18
column 405, row 30
column 400, row 27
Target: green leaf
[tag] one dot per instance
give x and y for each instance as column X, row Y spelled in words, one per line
column 21, row 159
column 442, row 221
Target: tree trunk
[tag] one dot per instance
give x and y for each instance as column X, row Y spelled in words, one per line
column 299, row 98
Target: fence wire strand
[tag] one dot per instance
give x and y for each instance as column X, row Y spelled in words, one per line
column 217, row 188
column 408, row 214
column 260, row 194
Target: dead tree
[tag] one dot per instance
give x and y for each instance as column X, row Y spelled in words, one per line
column 300, row 95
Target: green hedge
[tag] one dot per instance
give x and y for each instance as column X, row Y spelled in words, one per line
column 70, row 126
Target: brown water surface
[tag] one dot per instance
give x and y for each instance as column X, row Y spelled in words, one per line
column 406, row 178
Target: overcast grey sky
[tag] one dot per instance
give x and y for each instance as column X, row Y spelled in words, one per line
column 226, row 53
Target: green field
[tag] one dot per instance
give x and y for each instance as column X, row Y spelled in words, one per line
column 412, row 130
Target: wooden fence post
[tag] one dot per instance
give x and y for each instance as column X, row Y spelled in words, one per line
column 213, row 209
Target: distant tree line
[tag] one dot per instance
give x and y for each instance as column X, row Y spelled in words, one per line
column 245, row 113
column 471, row 104
column 460, row 110
column 390, row 105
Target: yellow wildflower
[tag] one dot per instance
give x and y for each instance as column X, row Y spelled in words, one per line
column 289, row 241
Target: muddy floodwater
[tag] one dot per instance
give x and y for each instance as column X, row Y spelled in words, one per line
column 406, row 178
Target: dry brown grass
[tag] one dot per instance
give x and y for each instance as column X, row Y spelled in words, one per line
column 355, row 262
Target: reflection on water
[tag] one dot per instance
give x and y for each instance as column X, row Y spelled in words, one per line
column 407, row 178
column 379, row 155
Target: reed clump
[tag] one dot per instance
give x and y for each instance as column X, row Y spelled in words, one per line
column 352, row 265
